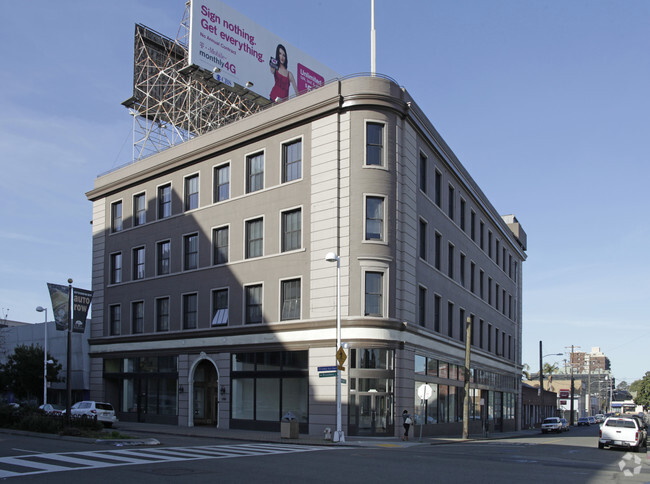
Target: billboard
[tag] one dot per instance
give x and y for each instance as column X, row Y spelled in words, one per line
column 240, row 52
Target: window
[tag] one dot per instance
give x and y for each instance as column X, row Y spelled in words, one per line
column 139, row 209
column 461, row 324
column 116, row 217
column 162, row 314
column 472, row 222
column 489, row 337
column 220, row 238
column 489, row 253
column 423, row 173
column 292, row 161
column 374, row 218
column 438, row 188
column 481, row 325
column 374, row 294
column 422, row 306
column 191, row 192
column 137, row 317
column 220, row 307
column 164, row 201
column 438, row 260
column 253, row 299
column 116, row 268
column 496, row 254
column 254, row 172
column 481, row 284
column 374, row 144
column 462, row 214
column 254, row 238
column 190, row 311
column 489, row 299
column 290, row 295
column 138, row 263
column 450, row 319
column 423, row 240
column 450, row 261
column 115, row 319
column 482, row 235
column 291, row 230
column 436, row 312
column 472, row 277
column 496, row 297
column 221, row 183
column 450, row 205
column 191, row 252
column 462, row 270
column 163, row 256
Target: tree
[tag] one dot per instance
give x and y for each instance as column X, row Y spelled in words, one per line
column 643, row 392
column 634, row 387
column 525, row 371
column 22, row 374
column 623, row 386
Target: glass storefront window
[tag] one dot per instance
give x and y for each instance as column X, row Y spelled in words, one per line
column 453, row 372
column 295, row 398
column 167, row 364
column 243, row 397
column 420, row 365
column 375, row 358
column 148, row 364
column 112, row 366
column 295, row 360
column 269, row 361
column 443, row 369
column 432, row 367
column 129, row 365
column 375, row 385
column 243, row 362
column 167, row 396
column 267, row 406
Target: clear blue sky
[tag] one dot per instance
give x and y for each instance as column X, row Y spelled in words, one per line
column 545, row 102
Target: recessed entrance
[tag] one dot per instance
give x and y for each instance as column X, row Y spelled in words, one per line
column 205, row 399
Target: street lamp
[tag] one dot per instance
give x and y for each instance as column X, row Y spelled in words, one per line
column 40, row 309
column 332, row 257
column 541, row 380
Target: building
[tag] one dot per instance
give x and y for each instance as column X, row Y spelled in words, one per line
column 16, row 334
column 214, row 303
column 536, row 406
column 594, row 362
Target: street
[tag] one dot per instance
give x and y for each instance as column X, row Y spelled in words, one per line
column 568, row 457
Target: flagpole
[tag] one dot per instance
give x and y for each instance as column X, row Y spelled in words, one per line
column 373, row 66
column 68, row 372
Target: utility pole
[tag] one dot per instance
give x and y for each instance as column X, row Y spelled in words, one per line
column 571, row 420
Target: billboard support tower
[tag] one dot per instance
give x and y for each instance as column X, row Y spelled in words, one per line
column 172, row 101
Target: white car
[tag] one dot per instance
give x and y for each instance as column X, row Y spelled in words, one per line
column 103, row 411
column 553, row 424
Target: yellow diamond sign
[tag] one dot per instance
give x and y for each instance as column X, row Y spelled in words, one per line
column 341, row 356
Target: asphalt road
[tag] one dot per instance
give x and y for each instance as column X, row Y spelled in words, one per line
column 569, row 457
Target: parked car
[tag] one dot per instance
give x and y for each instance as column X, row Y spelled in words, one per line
column 583, row 421
column 600, row 418
column 565, row 425
column 50, row 409
column 552, row 424
column 592, row 420
column 103, row 411
column 625, row 432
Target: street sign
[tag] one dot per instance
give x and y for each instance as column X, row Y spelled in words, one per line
column 327, row 368
column 325, row 375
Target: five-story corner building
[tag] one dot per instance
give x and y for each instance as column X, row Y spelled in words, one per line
column 215, row 305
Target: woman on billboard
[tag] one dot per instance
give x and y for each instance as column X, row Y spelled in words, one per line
column 281, row 75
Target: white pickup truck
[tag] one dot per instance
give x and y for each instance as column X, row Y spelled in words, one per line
column 623, row 431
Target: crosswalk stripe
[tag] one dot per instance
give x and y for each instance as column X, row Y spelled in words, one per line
column 38, row 463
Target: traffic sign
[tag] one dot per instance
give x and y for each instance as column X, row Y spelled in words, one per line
column 325, row 375
column 327, row 368
column 425, row 391
column 341, row 356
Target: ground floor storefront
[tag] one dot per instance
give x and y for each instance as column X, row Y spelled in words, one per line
column 256, row 388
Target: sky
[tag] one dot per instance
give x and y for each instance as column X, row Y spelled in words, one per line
column 544, row 102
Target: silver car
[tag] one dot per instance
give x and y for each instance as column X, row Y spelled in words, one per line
column 104, row 412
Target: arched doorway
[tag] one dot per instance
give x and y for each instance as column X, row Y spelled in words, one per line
column 205, row 398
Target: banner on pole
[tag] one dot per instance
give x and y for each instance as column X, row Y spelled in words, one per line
column 81, row 299
column 60, row 296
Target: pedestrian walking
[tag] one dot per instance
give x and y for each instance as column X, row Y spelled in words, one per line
column 407, row 424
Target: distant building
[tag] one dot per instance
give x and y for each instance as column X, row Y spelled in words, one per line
column 34, row 334
column 594, row 361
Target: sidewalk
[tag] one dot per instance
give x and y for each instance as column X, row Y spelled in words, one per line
column 144, row 431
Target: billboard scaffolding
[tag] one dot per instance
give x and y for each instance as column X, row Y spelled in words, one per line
column 172, row 101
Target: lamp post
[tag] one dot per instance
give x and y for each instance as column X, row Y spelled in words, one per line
column 541, row 380
column 332, row 257
column 40, row 309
